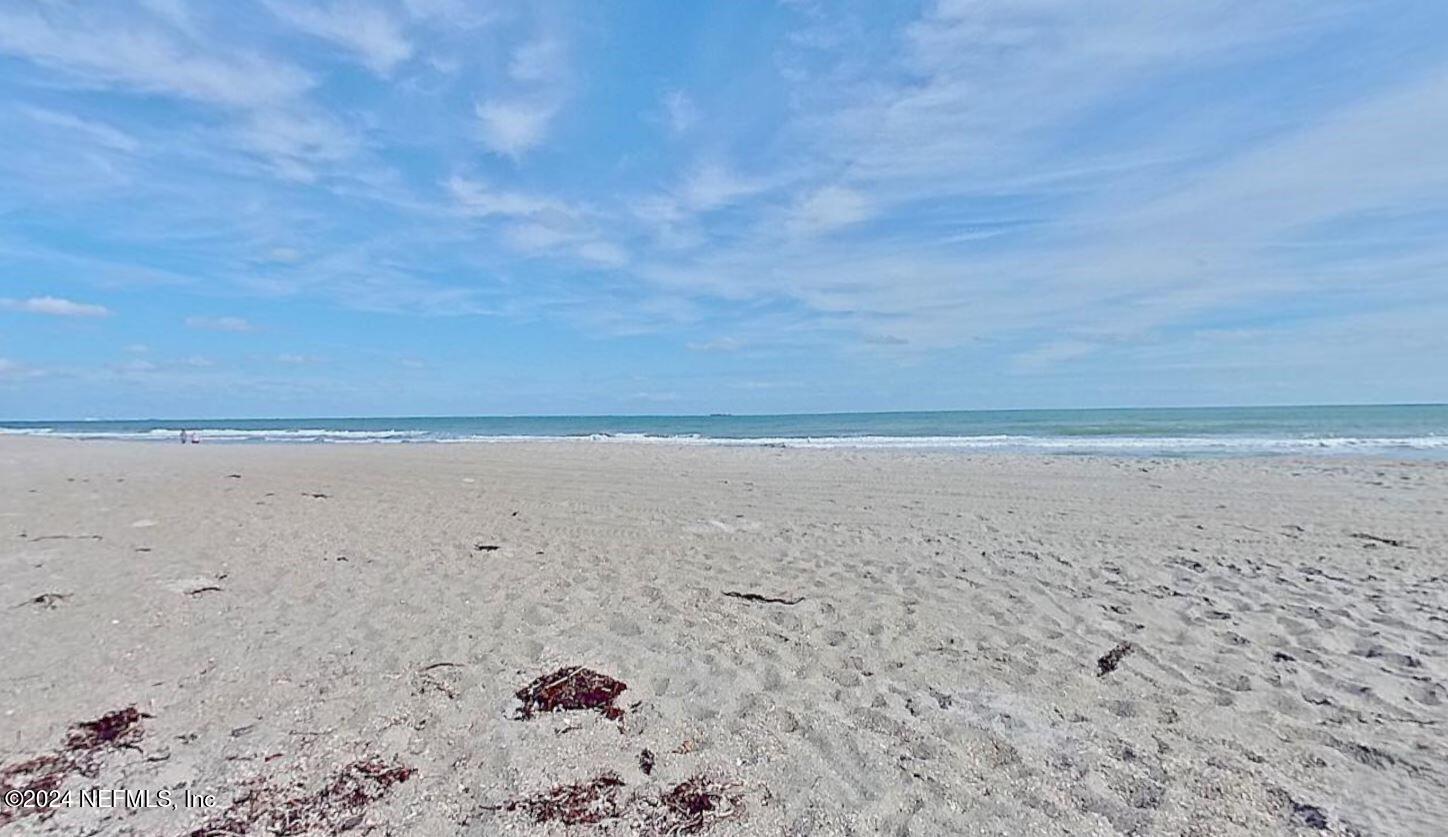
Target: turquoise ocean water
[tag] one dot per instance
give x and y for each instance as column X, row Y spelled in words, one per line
column 1411, row 430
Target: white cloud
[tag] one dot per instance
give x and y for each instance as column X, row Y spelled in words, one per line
column 565, row 240
column 1053, row 353
column 603, row 253
column 540, row 60
column 97, row 132
column 829, row 208
column 711, row 186
column 535, row 237
column 296, row 141
column 231, row 324
column 55, row 307
column 93, row 48
column 147, row 60
column 362, row 28
column 14, row 370
column 457, row 14
column 284, row 255
column 476, row 198
column 680, row 112
column 512, row 128
column 718, row 344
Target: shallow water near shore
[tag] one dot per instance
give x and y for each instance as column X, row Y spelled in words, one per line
column 1406, row 430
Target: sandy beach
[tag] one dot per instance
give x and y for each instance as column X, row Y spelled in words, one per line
column 333, row 638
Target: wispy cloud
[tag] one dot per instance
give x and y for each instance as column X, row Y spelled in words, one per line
column 90, row 52
column 476, row 197
column 230, row 324
column 94, row 131
column 514, row 127
column 540, row 60
column 519, row 117
column 14, row 370
column 55, row 307
column 829, row 208
column 718, row 344
column 367, row 31
column 680, row 112
column 293, row 359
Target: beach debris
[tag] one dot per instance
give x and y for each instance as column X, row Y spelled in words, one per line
column 755, row 597
column 689, row 807
column 233, row 476
column 687, row 746
column 1374, row 539
column 49, row 601
column 145, row 523
column 66, row 538
column 582, row 803
column 121, row 728
column 315, row 495
column 81, row 754
column 646, row 762
column 431, row 678
column 1310, row 816
column 570, row 688
column 41, row 774
column 205, row 588
column 1111, row 659
column 338, row 805
column 486, row 547
column 697, row 804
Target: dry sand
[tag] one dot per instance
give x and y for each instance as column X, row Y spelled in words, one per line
column 317, row 624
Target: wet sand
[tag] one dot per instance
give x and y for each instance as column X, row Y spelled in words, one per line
column 917, row 643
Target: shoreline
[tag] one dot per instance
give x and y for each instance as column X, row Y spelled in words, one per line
column 1205, row 449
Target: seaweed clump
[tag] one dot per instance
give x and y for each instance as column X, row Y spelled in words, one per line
column 85, row 744
column 337, row 806
column 571, row 688
column 1111, row 659
column 697, row 804
column 582, row 803
column 687, row 808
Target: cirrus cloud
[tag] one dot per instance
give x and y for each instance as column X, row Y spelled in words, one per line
column 231, row 324
column 55, row 307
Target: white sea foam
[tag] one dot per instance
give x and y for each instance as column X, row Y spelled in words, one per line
column 172, row 434
column 1185, row 444
column 1050, row 444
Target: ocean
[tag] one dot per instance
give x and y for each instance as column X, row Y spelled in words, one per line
column 1398, row 430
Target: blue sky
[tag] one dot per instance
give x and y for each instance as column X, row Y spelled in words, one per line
column 385, row 207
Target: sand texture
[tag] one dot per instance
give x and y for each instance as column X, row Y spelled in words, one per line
column 331, row 639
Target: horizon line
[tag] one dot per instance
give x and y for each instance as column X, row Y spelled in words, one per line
column 4, row 421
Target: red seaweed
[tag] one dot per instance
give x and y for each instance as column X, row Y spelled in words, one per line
column 337, row 806
column 582, row 803
column 571, row 688
column 85, row 743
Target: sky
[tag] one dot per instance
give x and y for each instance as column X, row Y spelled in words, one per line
column 445, row 207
